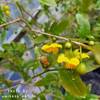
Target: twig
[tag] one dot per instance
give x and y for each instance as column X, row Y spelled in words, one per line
column 10, row 22
column 46, row 71
column 60, row 37
column 21, row 8
column 56, row 36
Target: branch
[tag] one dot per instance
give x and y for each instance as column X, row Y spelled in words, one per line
column 11, row 22
column 62, row 38
column 35, row 31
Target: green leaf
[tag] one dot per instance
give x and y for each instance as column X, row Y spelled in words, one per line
column 40, row 39
column 90, row 68
column 50, row 77
column 2, row 18
column 96, row 52
column 35, row 64
column 98, row 4
column 72, row 83
column 42, row 97
column 48, row 2
column 1, row 13
column 85, row 4
column 3, row 36
column 84, row 25
column 86, row 67
column 68, row 97
column 92, row 97
column 36, row 51
column 15, row 49
column 59, row 27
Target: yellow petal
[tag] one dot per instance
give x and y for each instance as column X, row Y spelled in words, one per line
column 74, row 61
column 56, row 45
column 80, row 55
column 51, row 47
column 62, row 58
column 84, row 55
column 45, row 47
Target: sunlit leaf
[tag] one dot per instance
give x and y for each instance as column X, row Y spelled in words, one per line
column 84, row 25
column 32, row 64
column 59, row 27
column 51, row 77
column 73, row 83
column 48, row 2
column 3, row 36
column 40, row 39
column 98, row 4
column 85, row 4
column 42, row 97
column 36, row 51
column 96, row 51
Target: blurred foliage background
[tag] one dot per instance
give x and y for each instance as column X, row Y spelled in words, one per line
column 28, row 25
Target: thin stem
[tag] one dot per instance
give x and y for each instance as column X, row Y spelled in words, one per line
column 41, row 74
column 62, row 38
column 56, row 36
column 26, row 11
column 20, row 8
column 10, row 22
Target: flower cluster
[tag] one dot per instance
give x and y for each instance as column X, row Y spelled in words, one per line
column 73, row 62
column 69, row 62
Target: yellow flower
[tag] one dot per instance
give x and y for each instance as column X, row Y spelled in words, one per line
column 81, row 55
column 84, row 55
column 62, row 58
column 70, row 63
column 54, row 47
column 73, row 62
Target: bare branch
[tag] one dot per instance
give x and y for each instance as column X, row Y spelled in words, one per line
column 11, row 22
column 60, row 37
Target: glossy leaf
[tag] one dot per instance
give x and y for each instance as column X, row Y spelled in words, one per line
column 36, row 52
column 72, row 83
column 51, row 77
column 32, row 64
column 96, row 51
column 85, row 4
column 48, row 2
column 84, row 25
column 40, row 39
column 87, row 68
column 42, row 97
column 3, row 36
column 90, row 68
column 59, row 27
column 98, row 4
column 15, row 48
